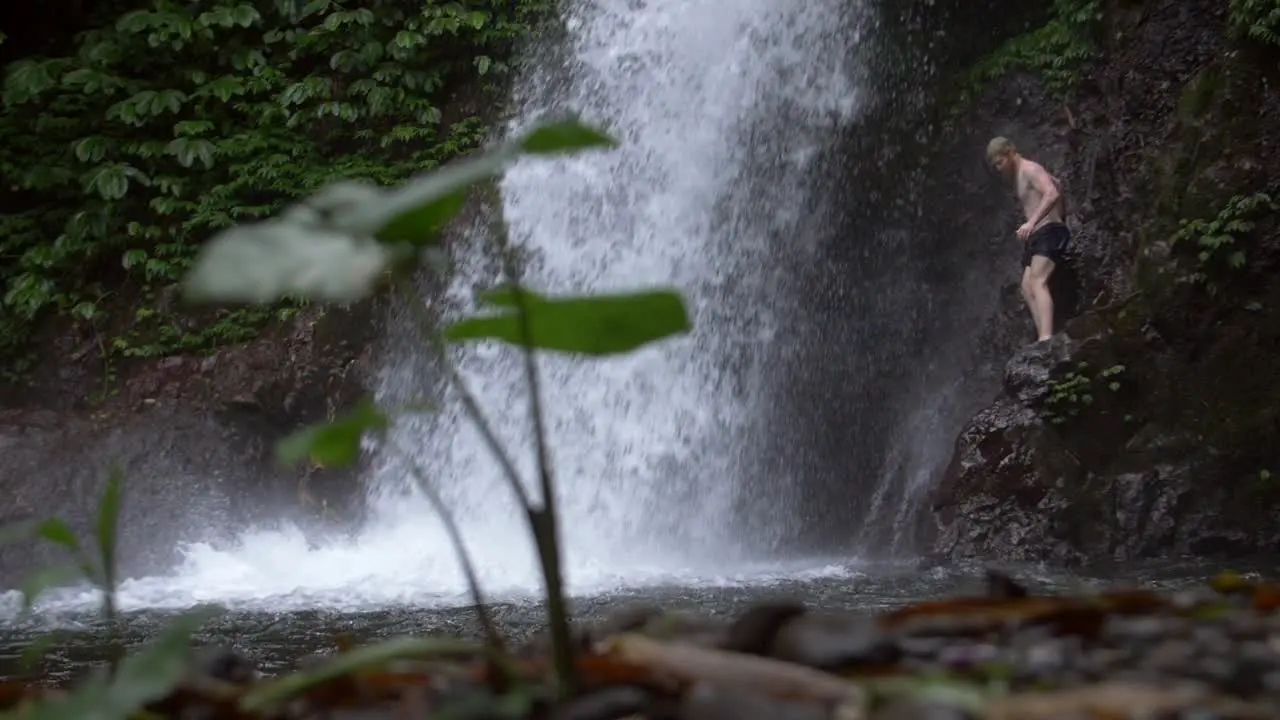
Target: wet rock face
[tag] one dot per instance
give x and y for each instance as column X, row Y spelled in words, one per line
column 1038, row 476
column 195, row 438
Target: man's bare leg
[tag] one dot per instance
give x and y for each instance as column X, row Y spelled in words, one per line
column 1029, row 297
column 1039, row 272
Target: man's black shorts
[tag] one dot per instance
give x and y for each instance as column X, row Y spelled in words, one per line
column 1049, row 240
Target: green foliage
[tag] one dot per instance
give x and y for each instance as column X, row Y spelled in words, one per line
column 101, row 572
column 121, row 690
column 1075, row 391
column 1056, row 51
column 144, row 677
column 1257, row 19
column 172, row 123
column 1218, row 242
column 341, row 243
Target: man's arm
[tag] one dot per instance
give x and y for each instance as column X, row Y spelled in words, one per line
column 1044, row 183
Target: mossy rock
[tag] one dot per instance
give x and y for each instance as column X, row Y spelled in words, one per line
column 1213, row 158
column 1198, row 95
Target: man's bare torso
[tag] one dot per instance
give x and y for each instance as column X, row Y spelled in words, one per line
column 1030, row 197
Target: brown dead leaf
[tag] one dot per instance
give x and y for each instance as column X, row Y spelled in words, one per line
column 690, row 664
column 1069, row 615
column 1117, row 700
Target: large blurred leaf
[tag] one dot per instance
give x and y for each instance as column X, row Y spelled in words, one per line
column 562, row 137
column 335, row 444
column 45, row 578
column 35, row 651
column 145, row 676
column 416, row 212
column 87, row 701
column 268, row 261
column 589, row 325
column 152, row 672
column 108, row 518
column 58, row 532
column 269, row 693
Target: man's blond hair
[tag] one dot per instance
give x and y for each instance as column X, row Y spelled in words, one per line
column 999, row 146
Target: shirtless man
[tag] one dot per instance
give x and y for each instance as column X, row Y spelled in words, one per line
column 1044, row 234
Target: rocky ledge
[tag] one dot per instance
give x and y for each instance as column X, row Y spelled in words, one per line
column 1103, row 445
column 1006, row 654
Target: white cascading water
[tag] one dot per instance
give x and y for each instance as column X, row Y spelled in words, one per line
column 644, row 447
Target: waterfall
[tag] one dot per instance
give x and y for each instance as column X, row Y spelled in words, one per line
column 723, row 108
column 720, row 107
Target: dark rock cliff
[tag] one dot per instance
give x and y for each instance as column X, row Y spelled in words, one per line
column 1146, row 428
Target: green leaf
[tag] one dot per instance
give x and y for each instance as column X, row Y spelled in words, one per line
column 423, row 224
column 88, row 701
column 335, row 444
column 43, row 579
column 270, row 693
column 188, row 150
column 109, row 181
column 513, row 704
column 133, row 257
column 245, row 15
column 26, row 79
column 39, row 646
column 91, row 149
column 59, row 533
column 963, row 695
column 152, row 672
column 84, row 310
column 416, row 212
column 108, row 519
column 268, row 261
column 591, row 325
column 568, row 136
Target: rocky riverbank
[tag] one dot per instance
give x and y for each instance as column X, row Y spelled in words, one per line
column 1009, row 654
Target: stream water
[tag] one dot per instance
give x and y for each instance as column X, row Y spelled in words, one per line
column 276, row 639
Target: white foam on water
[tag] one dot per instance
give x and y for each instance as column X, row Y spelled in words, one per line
column 701, row 93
